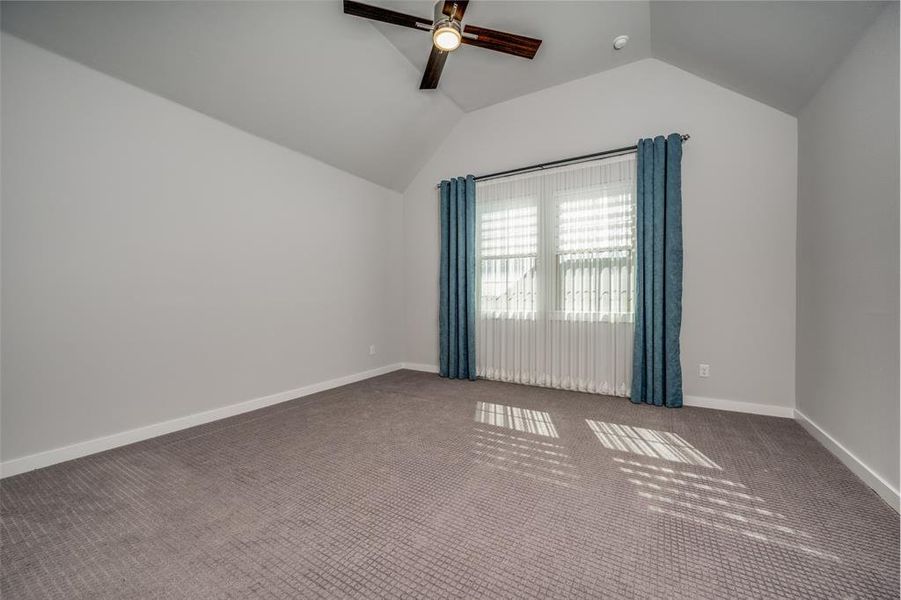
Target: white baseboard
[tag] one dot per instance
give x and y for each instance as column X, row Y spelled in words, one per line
column 697, row 401
column 420, row 367
column 753, row 408
column 857, row 466
column 77, row 450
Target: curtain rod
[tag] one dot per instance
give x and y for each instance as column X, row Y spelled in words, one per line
column 565, row 161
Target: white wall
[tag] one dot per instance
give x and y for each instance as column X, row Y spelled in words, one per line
column 157, row 262
column 740, row 188
column 847, row 381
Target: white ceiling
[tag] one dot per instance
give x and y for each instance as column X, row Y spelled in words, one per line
column 776, row 52
column 302, row 74
column 577, row 40
column 345, row 90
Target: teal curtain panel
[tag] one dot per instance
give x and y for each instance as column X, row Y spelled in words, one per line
column 457, row 280
column 656, row 368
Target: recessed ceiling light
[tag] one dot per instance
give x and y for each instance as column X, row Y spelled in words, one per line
column 620, row 41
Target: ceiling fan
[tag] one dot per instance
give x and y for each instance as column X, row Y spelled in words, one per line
column 447, row 34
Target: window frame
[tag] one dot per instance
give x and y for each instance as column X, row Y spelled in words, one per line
column 547, row 202
column 525, row 201
column 558, row 313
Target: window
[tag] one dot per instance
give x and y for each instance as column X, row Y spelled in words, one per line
column 508, row 257
column 555, row 258
column 594, row 251
column 561, row 243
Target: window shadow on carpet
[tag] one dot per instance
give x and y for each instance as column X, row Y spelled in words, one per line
column 718, row 503
column 518, row 419
column 650, row 443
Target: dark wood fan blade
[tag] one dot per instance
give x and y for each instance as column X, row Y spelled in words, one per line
column 448, row 8
column 358, row 9
column 433, row 70
column 508, row 43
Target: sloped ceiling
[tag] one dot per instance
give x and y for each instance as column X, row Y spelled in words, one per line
column 345, row 90
column 779, row 53
column 577, row 42
column 301, row 74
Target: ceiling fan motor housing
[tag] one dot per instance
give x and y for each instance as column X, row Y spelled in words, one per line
column 439, row 15
column 446, row 31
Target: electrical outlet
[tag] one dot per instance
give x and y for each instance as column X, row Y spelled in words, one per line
column 372, row 350
column 703, row 370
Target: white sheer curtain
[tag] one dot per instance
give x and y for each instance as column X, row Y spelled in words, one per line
column 555, row 257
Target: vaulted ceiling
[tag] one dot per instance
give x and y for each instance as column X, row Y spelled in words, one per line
column 301, row 74
column 577, row 41
column 776, row 52
column 345, row 90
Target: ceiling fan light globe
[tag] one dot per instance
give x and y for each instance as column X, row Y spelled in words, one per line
column 447, row 38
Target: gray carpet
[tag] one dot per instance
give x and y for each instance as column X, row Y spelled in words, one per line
column 409, row 486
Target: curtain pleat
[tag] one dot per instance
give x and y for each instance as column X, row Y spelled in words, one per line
column 456, row 280
column 555, row 275
column 657, row 372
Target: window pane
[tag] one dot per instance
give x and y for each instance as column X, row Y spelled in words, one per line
column 508, row 285
column 599, row 282
column 508, row 254
column 594, row 247
column 509, row 231
column 595, row 219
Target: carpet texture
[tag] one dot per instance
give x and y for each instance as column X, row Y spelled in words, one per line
column 409, row 486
